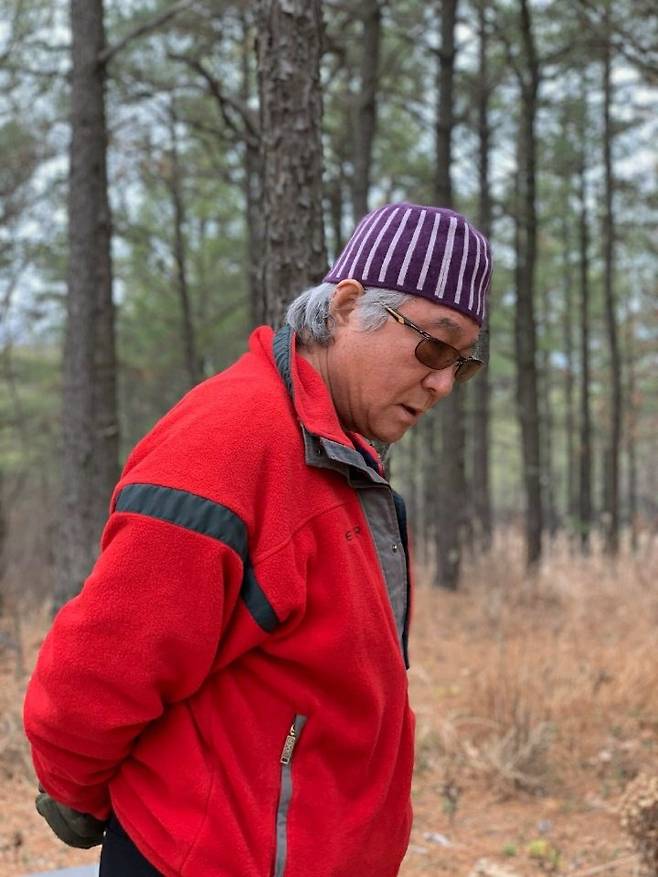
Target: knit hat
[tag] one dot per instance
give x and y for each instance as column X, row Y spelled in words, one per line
column 428, row 251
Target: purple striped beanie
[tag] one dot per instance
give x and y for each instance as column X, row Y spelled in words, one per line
column 428, row 251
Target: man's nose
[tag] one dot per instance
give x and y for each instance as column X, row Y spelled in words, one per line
column 439, row 382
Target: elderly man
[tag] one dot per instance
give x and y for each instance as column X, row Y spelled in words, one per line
column 228, row 694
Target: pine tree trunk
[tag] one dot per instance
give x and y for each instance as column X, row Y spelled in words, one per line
column 571, row 493
column 335, row 198
column 585, row 448
column 631, row 431
column 449, row 511
column 365, row 121
column 548, row 474
column 90, row 427
column 525, row 328
column 252, row 181
column 253, row 192
column 611, row 468
column 188, row 334
column 202, row 273
column 481, row 387
column 431, row 487
column 415, row 480
column 445, row 113
column 289, row 48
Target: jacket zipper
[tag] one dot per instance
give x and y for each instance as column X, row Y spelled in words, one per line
column 285, row 794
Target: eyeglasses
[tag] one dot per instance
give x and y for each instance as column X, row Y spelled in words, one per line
column 436, row 354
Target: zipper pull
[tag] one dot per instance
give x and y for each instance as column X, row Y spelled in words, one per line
column 289, row 746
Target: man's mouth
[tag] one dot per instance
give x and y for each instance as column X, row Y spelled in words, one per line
column 413, row 412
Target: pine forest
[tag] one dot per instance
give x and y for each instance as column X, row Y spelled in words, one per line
column 174, row 173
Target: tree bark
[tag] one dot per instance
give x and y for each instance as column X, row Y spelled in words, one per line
column 445, row 115
column 90, row 429
column 365, row 114
column 525, row 328
column 585, row 448
column 481, row 486
column 611, row 468
column 450, row 509
column 289, row 48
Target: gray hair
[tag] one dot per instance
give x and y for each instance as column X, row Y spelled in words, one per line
column 308, row 314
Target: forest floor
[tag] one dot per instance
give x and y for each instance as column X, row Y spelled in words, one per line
column 536, row 705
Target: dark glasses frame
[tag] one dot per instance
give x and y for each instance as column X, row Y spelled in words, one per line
column 436, row 354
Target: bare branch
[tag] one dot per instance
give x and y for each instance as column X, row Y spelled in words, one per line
column 146, row 27
column 509, row 53
column 642, row 55
column 558, row 55
column 25, row 70
column 608, row 866
column 225, row 102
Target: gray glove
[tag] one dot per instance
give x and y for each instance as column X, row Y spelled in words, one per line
column 76, row 829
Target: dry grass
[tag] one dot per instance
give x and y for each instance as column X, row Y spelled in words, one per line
column 536, row 703
column 25, row 845
column 532, row 695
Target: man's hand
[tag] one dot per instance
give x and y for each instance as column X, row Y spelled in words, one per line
column 76, row 829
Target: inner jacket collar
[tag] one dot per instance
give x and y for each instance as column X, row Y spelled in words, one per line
column 326, row 444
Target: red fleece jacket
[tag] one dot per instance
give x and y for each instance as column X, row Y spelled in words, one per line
column 230, row 680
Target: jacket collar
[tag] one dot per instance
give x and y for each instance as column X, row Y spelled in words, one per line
column 326, row 444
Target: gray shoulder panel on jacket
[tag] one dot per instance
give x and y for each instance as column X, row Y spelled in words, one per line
column 209, row 518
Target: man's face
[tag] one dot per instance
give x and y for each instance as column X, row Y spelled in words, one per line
column 378, row 386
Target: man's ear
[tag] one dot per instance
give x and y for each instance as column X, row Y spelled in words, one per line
column 344, row 300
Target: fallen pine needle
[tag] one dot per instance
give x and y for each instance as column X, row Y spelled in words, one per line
column 599, row 869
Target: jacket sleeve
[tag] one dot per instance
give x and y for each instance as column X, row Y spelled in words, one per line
column 142, row 634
